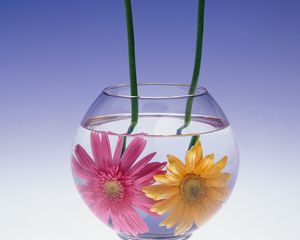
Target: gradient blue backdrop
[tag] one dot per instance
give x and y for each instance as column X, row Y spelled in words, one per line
column 57, row 56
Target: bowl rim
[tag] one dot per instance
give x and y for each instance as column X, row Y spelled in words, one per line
column 199, row 91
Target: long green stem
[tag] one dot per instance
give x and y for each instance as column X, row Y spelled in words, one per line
column 132, row 69
column 196, row 73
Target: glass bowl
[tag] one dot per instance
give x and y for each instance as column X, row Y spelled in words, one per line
column 164, row 179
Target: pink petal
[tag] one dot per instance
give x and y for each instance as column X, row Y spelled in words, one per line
column 84, row 173
column 144, row 203
column 141, row 164
column 118, row 150
column 101, row 210
column 135, row 221
column 106, row 151
column 83, row 188
column 83, row 158
column 148, row 172
column 132, row 152
column 128, row 221
column 94, row 199
column 79, row 170
column 151, row 180
column 96, row 149
column 89, row 199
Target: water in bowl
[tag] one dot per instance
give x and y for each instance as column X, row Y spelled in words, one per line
column 160, row 133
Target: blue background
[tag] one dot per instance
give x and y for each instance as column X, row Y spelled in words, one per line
column 57, row 56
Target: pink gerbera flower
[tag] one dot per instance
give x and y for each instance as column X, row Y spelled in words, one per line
column 113, row 184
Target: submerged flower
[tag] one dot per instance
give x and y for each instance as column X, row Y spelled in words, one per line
column 192, row 193
column 113, row 183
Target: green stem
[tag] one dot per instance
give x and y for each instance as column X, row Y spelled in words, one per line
column 196, row 72
column 132, row 69
column 194, row 140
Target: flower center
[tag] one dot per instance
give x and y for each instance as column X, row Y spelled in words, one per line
column 192, row 188
column 113, row 190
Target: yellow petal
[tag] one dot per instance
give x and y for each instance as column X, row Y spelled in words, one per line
column 175, row 166
column 166, row 205
column 161, row 191
column 219, row 166
column 186, row 220
column 200, row 215
column 205, row 165
column 190, row 159
column 176, row 180
column 182, row 229
column 163, row 178
column 173, row 217
column 218, row 180
column 217, row 193
column 198, row 151
column 211, row 206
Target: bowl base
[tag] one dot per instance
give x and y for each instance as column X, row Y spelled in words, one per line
column 126, row 237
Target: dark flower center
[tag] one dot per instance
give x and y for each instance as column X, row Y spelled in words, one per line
column 192, row 188
column 113, row 190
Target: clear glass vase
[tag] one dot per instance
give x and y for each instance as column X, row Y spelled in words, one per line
column 154, row 183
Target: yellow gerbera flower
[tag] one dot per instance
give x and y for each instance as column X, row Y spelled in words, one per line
column 192, row 193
